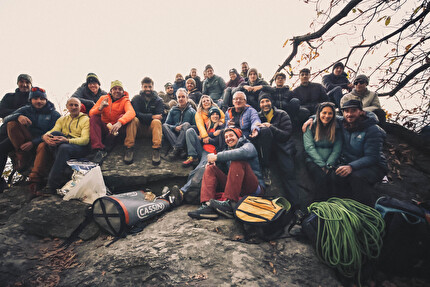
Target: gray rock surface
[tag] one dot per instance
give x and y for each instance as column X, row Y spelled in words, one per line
column 173, row 250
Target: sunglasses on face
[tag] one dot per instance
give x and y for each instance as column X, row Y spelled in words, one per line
column 35, row 89
column 359, row 82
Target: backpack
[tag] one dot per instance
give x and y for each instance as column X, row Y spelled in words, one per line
column 264, row 217
column 406, row 248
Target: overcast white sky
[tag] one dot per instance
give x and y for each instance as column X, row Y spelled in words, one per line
column 59, row 42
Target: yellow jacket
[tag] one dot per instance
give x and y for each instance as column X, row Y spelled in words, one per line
column 77, row 130
column 201, row 119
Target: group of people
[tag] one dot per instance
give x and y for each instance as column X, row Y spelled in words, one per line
column 234, row 132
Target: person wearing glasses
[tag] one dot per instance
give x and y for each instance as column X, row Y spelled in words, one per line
column 26, row 126
column 335, row 82
column 323, row 145
column 10, row 103
column 369, row 99
column 68, row 139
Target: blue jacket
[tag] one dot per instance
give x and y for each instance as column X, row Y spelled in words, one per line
column 177, row 116
column 249, row 120
column 363, row 147
column 243, row 151
column 42, row 120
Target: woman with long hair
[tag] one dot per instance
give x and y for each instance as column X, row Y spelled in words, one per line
column 323, row 145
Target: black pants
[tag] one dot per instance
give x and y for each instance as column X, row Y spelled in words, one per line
column 5, row 148
column 324, row 182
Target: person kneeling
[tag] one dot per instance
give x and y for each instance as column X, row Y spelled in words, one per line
column 235, row 171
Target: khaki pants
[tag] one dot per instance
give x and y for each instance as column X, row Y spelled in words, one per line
column 153, row 131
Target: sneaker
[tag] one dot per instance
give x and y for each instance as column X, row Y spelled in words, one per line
column 189, row 162
column 100, row 156
column 156, row 156
column 267, row 177
column 204, row 212
column 223, row 207
column 128, row 156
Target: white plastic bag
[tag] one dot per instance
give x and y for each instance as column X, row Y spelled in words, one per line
column 90, row 187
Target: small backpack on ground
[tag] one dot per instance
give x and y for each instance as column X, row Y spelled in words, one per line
column 406, row 249
column 264, row 217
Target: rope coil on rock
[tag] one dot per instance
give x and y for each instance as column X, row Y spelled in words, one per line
column 348, row 234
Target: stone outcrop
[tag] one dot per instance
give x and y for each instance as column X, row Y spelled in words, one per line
column 173, row 250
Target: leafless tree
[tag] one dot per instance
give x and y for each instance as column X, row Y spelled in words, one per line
column 387, row 40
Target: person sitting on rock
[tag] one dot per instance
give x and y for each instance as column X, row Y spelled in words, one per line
column 178, row 83
column 246, row 118
column 89, row 92
column 202, row 119
column 370, row 100
column 362, row 161
column 335, row 82
column 323, row 145
column 244, row 70
column 282, row 98
column 252, row 88
column 199, row 149
column 235, row 171
column 214, row 85
column 235, row 81
column 149, row 109
column 112, row 114
column 26, row 126
column 169, row 97
column 193, row 93
column 10, row 103
column 193, row 75
column 280, row 147
column 310, row 95
column 68, row 139
column 179, row 120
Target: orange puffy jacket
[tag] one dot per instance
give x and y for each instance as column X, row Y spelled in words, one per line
column 119, row 111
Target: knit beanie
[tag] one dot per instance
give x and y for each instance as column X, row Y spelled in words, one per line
column 237, row 132
column 252, row 70
column 264, row 95
column 214, row 110
column 233, row 70
column 37, row 93
column 168, row 84
column 362, row 78
column 338, row 64
column 92, row 78
column 25, row 77
column 208, row 66
column 116, row 83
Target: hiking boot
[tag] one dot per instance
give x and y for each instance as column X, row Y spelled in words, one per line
column 156, row 156
column 204, row 212
column 189, row 162
column 100, row 156
column 128, row 156
column 267, row 177
column 177, row 195
column 223, row 207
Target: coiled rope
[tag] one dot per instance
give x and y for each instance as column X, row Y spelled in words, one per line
column 348, row 234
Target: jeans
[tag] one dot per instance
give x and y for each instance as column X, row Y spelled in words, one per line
column 203, row 162
column 176, row 139
column 194, row 146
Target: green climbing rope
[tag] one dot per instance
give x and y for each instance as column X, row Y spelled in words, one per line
column 348, row 234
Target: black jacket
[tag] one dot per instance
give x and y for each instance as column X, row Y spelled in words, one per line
column 310, row 95
column 145, row 110
column 280, row 96
column 332, row 81
column 13, row 101
column 199, row 84
column 252, row 97
column 87, row 98
column 281, row 129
